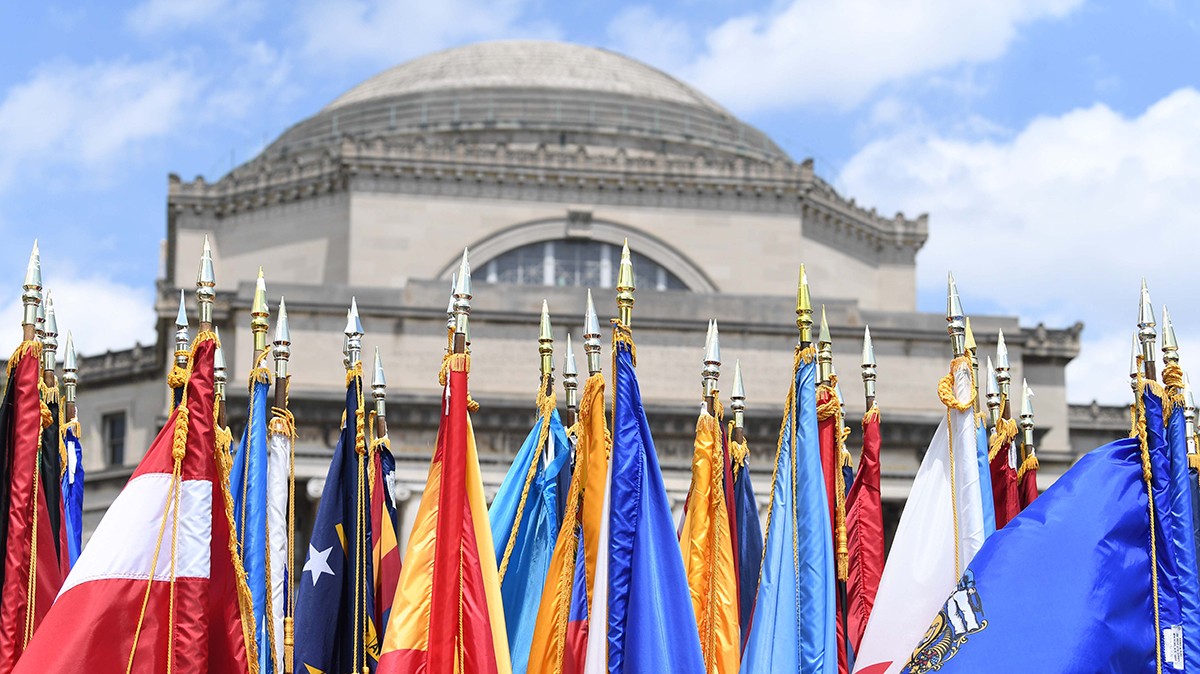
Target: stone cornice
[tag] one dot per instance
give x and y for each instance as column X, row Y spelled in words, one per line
column 566, row 174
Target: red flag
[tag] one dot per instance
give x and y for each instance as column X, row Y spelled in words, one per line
column 32, row 573
column 864, row 528
column 1005, row 497
column 829, row 412
column 156, row 588
column 384, row 544
column 1027, row 479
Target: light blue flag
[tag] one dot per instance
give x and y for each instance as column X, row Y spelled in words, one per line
column 985, row 477
column 651, row 626
column 533, row 545
column 248, row 485
column 794, row 628
column 72, row 493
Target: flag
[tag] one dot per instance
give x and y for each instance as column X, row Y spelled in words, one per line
column 335, row 628
column 560, row 634
column 864, row 532
column 248, row 483
column 649, row 625
column 794, row 627
column 708, row 551
column 939, row 533
column 1006, row 500
column 829, row 423
column 525, row 523
column 157, row 588
column 448, row 615
column 749, row 535
column 281, row 436
column 385, row 544
column 986, row 494
column 1173, row 496
column 32, row 572
column 1027, row 486
column 1092, row 609
column 72, row 490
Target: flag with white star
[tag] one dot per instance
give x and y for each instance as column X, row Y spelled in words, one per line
column 335, row 630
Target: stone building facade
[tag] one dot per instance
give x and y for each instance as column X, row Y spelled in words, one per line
column 542, row 158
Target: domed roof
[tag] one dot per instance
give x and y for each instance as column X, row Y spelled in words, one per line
column 527, row 64
column 531, row 93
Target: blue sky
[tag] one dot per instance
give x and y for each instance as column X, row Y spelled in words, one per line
column 1055, row 143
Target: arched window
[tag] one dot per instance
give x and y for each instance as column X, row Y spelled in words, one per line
column 569, row 262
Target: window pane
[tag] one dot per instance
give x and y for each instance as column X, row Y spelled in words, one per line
column 113, row 428
column 576, row 263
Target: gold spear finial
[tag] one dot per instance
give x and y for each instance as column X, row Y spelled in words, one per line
column 1170, row 346
column 462, row 305
column 824, row 351
column 50, row 341
column 957, row 322
column 1146, row 333
column 206, row 284
column 868, row 367
column 711, row 370
column 591, row 336
column 804, row 309
column 625, row 287
column 260, row 315
column 31, row 297
column 546, row 346
column 992, row 391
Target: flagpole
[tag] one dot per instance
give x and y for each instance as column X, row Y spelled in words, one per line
column 462, row 306
column 571, row 383
column 1147, row 334
column 31, row 297
column 546, row 350
column 868, row 368
column 282, row 351
column 737, row 402
column 711, row 370
column 804, row 310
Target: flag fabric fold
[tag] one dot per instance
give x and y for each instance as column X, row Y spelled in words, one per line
column 281, row 436
column 335, row 627
column 749, row 535
column 650, row 624
column 72, row 490
column 1096, row 605
column 248, row 483
column 864, row 529
column 829, row 424
column 709, row 560
column 986, row 494
column 1006, row 499
column 1173, row 496
column 32, row 571
column 794, row 626
column 524, row 519
column 560, row 634
column 385, row 543
column 448, row 615
column 158, row 586
column 940, row 531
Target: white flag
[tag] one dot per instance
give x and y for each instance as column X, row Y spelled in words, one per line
column 279, row 468
column 940, row 531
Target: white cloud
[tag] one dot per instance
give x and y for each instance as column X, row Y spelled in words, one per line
column 70, row 115
column 1067, row 214
column 100, row 314
column 839, row 51
column 158, row 16
column 388, row 31
column 643, row 33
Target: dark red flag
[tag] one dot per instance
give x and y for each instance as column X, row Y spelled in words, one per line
column 864, row 529
column 1005, row 498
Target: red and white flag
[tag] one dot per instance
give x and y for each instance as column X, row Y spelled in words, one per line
column 156, row 588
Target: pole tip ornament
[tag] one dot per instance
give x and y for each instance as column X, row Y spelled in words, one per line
column 259, row 306
column 378, row 379
column 970, row 337
column 1146, row 332
column 462, row 298
column 711, row 370
column 206, row 282
column 546, row 340
column 31, row 297
column 955, row 319
column 283, row 341
column 625, row 287
column 591, row 336
column 354, row 334
column 219, row 365
column 181, row 319
column 1170, row 345
column 1026, row 402
column 824, row 351
column 992, row 387
column 1001, row 353
column 570, row 366
column 868, row 350
column 70, row 359
column 868, row 366
column 804, row 308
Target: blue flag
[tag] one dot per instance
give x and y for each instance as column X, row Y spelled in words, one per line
column 1089, row 610
column 1173, row 498
column 335, row 631
column 72, row 491
column 750, row 544
column 532, row 544
column 794, row 628
column 985, row 477
column 248, row 485
column 651, row 626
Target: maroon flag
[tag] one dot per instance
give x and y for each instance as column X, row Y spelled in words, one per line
column 864, row 530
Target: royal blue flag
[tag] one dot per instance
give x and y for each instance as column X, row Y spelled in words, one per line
column 248, row 485
column 335, row 631
column 72, row 491
column 794, row 628
column 532, row 546
column 750, row 544
column 651, row 625
column 1066, row 586
column 1179, row 518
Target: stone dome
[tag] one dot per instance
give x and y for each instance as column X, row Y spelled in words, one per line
column 527, row 92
